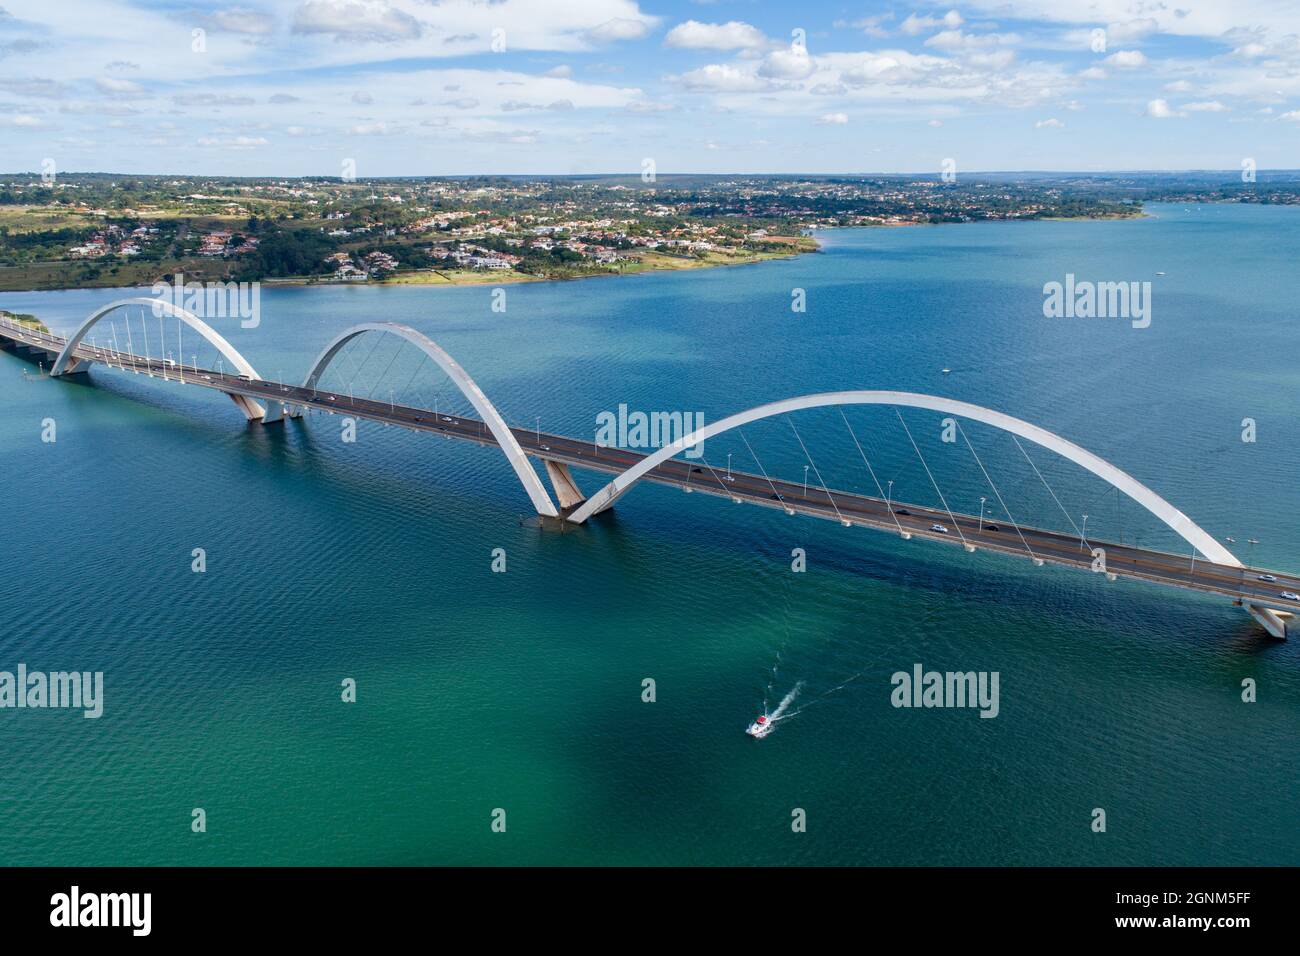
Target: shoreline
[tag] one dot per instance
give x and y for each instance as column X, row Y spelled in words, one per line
column 435, row 278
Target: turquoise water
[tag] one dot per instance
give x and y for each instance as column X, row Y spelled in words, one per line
column 522, row 690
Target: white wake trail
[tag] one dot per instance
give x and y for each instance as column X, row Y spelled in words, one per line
column 786, row 701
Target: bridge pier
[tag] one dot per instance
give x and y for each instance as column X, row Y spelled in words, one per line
column 252, row 411
column 1272, row 621
column 567, row 492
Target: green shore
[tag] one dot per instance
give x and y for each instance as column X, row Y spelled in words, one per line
column 67, row 274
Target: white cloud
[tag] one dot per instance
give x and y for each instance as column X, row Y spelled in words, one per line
column 649, row 106
column 1206, row 106
column 1160, row 109
column 1127, row 59
column 957, row 40
column 871, row 26
column 1178, row 86
column 786, row 65
column 833, row 119
column 619, row 28
column 562, row 72
column 355, row 20
column 1293, row 116
column 1130, row 31
column 239, row 20
column 234, row 142
column 116, row 86
column 1052, row 123
column 720, row 77
column 212, row 99
column 923, row 24
column 732, row 35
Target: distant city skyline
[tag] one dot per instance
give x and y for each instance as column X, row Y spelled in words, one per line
column 416, row 88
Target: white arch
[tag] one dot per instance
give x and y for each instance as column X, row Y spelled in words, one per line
column 250, row 408
column 1192, row 533
column 500, row 430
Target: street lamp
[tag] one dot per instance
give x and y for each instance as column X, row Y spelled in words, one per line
column 889, row 496
column 982, row 500
column 728, row 466
column 1083, row 535
column 805, row 481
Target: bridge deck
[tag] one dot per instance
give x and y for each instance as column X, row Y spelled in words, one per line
column 849, row 508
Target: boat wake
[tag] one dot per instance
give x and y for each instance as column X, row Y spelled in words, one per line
column 765, row 724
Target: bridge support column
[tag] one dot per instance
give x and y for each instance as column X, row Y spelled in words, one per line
column 1272, row 621
column 252, row 411
column 274, row 412
column 567, row 492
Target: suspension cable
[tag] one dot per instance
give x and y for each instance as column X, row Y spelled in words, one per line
column 928, row 472
column 760, row 466
column 888, row 504
column 816, row 470
column 423, row 358
column 730, row 493
column 378, row 338
column 1046, row 485
column 396, row 352
column 1014, row 523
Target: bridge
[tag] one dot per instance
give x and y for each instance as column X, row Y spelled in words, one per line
column 1270, row 597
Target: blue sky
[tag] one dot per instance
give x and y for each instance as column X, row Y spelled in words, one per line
column 430, row 87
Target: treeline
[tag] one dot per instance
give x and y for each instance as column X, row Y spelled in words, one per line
column 283, row 253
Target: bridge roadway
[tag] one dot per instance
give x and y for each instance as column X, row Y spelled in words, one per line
column 794, row 497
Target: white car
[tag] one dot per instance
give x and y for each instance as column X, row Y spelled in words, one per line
column 1268, row 577
column 1291, row 596
column 939, row 528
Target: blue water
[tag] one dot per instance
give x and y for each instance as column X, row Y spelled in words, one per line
column 522, row 690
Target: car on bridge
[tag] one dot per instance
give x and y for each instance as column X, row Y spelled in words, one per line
column 939, row 528
column 1291, row 596
column 1268, row 577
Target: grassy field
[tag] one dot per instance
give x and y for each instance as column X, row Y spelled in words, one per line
column 22, row 318
column 107, row 273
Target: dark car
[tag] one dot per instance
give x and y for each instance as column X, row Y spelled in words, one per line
column 902, row 511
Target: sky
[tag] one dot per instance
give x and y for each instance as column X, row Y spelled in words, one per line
column 462, row 87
